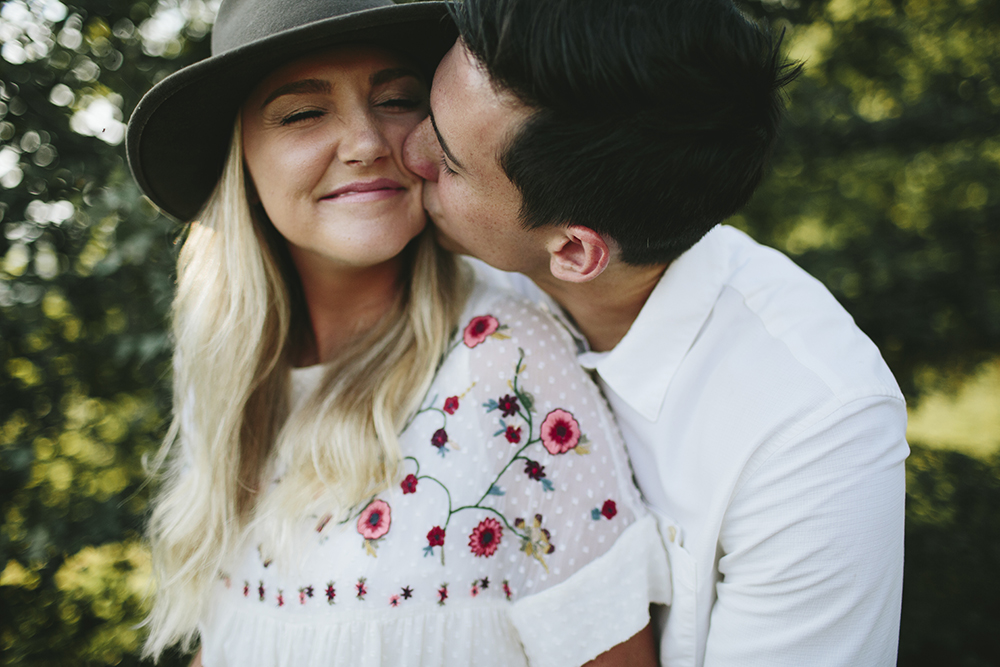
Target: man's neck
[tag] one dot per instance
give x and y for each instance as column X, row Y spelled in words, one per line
column 605, row 308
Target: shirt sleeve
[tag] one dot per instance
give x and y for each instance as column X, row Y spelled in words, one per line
column 591, row 557
column 813, row 544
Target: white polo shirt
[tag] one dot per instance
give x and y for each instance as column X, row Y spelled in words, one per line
column 768, row 436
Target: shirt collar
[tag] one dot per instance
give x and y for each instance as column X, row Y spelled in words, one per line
column 666, row 327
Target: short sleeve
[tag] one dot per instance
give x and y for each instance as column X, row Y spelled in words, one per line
column 591, row 559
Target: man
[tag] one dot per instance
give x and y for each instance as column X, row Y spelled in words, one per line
column 594, row 146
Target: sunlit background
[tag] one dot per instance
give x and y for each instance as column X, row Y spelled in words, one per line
column 885, row 188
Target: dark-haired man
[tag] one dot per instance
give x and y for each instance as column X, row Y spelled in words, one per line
column 594, row 146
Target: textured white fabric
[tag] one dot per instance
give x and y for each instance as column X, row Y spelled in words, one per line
column 392, row 595
column 768, row 436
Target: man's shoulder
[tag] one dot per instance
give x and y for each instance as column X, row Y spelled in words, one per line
column 789, row 326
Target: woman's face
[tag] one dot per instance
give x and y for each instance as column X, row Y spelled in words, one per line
column 322, row 139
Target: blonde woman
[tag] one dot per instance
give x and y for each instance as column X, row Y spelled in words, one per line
column 373, row 460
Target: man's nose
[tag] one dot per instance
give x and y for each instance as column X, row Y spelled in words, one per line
column 421, row 153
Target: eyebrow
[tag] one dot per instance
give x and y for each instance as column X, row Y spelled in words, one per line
column 298, row 87
column 444, row 144
column 391, row 74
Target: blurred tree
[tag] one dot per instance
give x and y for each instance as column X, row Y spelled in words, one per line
column 87, row 278
column 885, row 188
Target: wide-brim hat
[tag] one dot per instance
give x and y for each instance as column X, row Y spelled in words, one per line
column 179, row 134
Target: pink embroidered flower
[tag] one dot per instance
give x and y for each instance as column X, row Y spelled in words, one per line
column 479, row 330
column 331, row 593
column 475, row 588
column 246, row 589
column 534, row 470
column 442, row 594
column 374, row 520
column 609, row 510
column 435, row 537
column 361, row 588
column 560, row 432
column 513, row 435
column 409, row 484
column 485, row 538
column 508, row 405
column 451, row 404
column 506, row 589
column 440, row 438
column 394, row 601
column 281, row 598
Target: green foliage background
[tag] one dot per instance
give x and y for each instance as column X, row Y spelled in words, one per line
column 885, row 188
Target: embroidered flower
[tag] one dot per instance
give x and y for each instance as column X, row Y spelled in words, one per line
column 260, row 591
column 534, row 470
column 538, row 543
column 484, row 583
column 506, row 589
column 440, row 438
column 508, row 405
column 409, row 484
column 451, row 404
column 374, row 520
column 475, row 588
column 305, row 592
column 394, row 601
column 331, row 593
column 560, row 432
column 479, row 329
column 246, row 589
column 609, row 510
column 442, row 594
column 513, row 435
column 407, row 592
column 362, row 588
column 281, row 598
column 485, row 538
column 435, row 537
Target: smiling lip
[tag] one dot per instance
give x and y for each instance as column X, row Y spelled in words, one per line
column 380, row 188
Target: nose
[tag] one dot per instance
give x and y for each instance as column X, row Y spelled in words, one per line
column 421, row 152
column 364, row 143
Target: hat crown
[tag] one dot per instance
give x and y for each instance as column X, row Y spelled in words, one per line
column 241, row 22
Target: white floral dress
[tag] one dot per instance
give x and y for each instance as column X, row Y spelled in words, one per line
column 514, row 534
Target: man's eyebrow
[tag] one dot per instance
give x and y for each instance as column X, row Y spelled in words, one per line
column 444, row 145
column 298, row 87
column 391, row 74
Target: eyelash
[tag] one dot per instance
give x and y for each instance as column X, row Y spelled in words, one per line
column 401, row 102
column 300, row 116
column 447, row 169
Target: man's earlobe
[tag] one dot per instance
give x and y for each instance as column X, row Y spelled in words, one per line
column 578, row 254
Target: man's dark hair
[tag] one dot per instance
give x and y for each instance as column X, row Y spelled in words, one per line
column 653, row 120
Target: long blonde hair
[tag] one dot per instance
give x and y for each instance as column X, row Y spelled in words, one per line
column 238, row 316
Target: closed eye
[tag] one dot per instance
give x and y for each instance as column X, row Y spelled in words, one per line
column 446, row 168
column 299, row 116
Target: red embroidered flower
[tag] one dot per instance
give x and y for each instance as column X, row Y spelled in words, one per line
column 362, row 588
column 609, row 510
column 374, row 520
column 508, row 405
column 534, row 470
column 485, row 538
column 281, row 598
column 331, row 592
column 560, row 432
column 439, row 438
column 479, row 330
column 513, row 435
column 246, row 589
column 442, row 594
column 435, row 537
column 451, row 404
column 506, row 589
column 409, row 484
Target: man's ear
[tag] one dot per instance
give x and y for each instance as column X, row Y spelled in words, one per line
column 577, row 254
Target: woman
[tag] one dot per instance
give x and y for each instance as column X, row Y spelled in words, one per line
column 356, row 480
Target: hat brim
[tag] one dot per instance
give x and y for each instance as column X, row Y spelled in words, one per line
column 178, row 136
